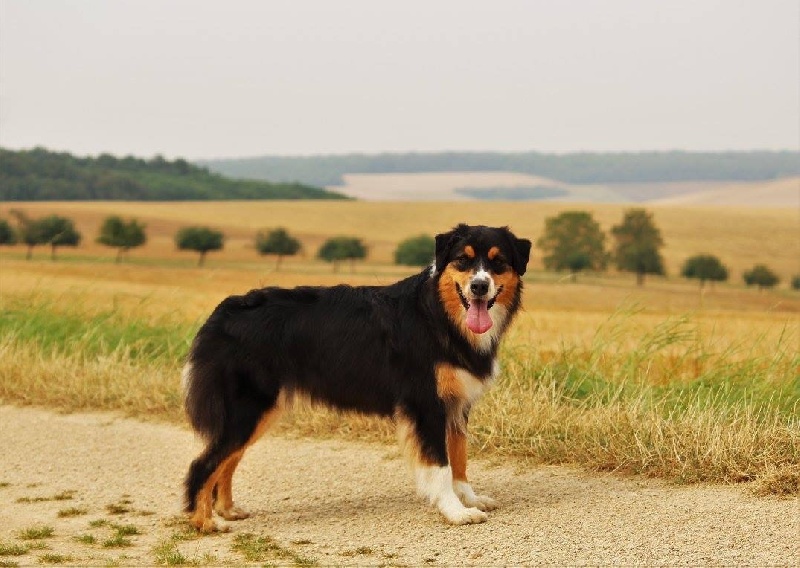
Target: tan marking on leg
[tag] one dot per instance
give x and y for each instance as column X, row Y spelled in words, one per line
column 202, row 519
column 224, row 505
column 457, row 453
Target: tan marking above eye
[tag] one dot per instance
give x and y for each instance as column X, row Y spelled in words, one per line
column 493, row 252
column 469, row 251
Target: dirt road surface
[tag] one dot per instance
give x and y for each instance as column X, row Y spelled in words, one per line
column 343, row 503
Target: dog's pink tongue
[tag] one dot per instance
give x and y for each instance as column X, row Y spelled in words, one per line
column 478, row 319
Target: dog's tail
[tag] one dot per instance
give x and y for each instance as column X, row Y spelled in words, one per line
column 203, row 399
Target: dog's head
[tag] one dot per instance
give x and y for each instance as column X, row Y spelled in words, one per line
column 478, row 270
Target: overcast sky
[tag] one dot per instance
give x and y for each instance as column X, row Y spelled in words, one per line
column 203, row 79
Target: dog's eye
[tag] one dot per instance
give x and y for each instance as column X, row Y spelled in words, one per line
column 499, row 265
column 462, row 262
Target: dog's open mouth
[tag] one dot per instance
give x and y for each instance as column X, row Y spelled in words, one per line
column 478, row 319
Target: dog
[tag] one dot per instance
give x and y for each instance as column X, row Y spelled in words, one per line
column 420, row 351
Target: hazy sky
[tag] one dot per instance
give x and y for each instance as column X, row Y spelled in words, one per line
column 229, row 78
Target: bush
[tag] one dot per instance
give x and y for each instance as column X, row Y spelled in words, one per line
column 704, row 267
column 278, row 242
column 200, row 239
column 761, row 276
column 415, row 251
column 7, row 234
column 573, row 241
column 121, row 234
column 337, row 249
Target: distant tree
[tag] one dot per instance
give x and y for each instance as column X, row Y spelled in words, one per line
column 704, row 267
column 28, row 231
column 796, row 282
column 58, row 231
column 415, row 251
column 337, row 249
column 761, row 276
column 7, row 234
column 278, row 242
column 123, row 235
column 199, row 239
column 573, row 241
column 638, row 241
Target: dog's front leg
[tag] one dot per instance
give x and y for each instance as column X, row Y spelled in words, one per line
column 424, row 442
column 457, row 453
column 435, row 483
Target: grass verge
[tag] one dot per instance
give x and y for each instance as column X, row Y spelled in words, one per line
column 663, row 402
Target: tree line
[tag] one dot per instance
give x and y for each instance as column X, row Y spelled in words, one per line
column 572, row 241
column 41, row 175
column 579, row 168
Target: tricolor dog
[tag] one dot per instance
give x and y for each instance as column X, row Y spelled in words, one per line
column 420, row 351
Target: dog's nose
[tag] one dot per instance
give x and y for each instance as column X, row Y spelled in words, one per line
column 479, row 287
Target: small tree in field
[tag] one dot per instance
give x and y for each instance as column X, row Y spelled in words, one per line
column 761, row 276
column 29, row 231
column 638, row 244
column 415, row 251
column 115, row 232
column 7, row 234
column 796, row 282
column 573, row 241
column 338, row 249
column 704, row 267
column 58, row 231
column 199, row 239
column 278, row 242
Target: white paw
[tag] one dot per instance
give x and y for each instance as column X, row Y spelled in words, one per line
column 481, row 502
column 466, row 516
column 469, row 499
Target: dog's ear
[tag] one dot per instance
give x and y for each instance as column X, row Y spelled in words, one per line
column 445, row 243
column 521, row 252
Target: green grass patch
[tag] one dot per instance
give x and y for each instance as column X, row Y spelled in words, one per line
column 86, row 539
column 52, row 558
column 62, row 496
column 13, row 549
column 36, row 532
column 61, row 329
column 167, row 554
column 72, row 512
column 255, row 548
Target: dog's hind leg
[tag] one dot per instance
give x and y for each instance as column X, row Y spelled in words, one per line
column 203, row 475
column 224, row 505
column 246, row 420
column 422, row 436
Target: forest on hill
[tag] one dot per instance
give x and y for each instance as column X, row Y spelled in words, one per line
column 41, row 175
column 580, row 168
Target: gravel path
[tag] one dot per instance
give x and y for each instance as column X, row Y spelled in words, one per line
column 343, row 503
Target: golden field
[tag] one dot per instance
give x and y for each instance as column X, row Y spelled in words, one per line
column 740, row 236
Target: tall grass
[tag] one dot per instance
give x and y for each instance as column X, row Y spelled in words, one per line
column 664, row 401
